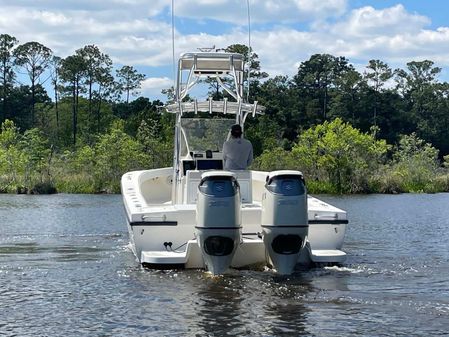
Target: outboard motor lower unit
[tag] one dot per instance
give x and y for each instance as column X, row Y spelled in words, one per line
column 218, row 219
column 284, row 218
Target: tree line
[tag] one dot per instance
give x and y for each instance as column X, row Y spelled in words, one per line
column 378, row 130
column 87, row 74
column 389, row 102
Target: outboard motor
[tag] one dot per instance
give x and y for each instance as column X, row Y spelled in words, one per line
column 218, row 219
column 284, row 218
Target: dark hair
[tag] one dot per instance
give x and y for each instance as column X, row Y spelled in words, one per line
column 236, row 130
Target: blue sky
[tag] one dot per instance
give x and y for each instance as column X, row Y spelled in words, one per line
column 284, row 32
column 435, row 10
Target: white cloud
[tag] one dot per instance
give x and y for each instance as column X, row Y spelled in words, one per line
column 126, row 7
column 390, row 34
column 141, row 35
column 153, row 86
column 235, row 11
column 127, row 39
column 367, row 21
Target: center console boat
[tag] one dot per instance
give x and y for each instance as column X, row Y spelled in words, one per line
column 197, row 215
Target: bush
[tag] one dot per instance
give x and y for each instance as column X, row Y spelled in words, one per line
column 416, row 164
column 442, row 182
column 98, row 168
column 336, row 153
column 386, row 181
column 43, row 188
column 76, row 183
column 276, row 159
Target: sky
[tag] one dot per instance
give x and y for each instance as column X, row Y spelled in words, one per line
column 284, row 33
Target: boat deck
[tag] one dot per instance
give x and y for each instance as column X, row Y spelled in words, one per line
column 248, row 253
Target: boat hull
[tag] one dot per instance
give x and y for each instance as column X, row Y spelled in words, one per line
column 164, row 233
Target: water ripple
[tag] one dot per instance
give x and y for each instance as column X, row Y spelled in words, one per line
column 71, row 273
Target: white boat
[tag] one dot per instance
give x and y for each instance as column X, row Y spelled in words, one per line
column 197, row 215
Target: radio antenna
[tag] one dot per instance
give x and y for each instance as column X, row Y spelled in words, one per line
column 173, row 42
column 249, row 49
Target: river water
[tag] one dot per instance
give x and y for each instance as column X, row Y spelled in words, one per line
column 66, row 270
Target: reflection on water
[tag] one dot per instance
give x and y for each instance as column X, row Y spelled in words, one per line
column 219, row 307
column 287, row 314
column 66, row 269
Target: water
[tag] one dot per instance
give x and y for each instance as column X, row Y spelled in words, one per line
column 66, row 270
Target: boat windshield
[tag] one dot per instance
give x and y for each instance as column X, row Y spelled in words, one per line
column 203, row 134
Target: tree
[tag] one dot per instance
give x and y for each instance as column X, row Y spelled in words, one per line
column 169, row 93
column 417, row 76
column 55, row 69
column 116, row 153
column 316, row 76
column 252, row 73
column 35, row 58
column 274, row 159
column 106, row 89
column 7, row 43
column 338, row 153
column 129, row 80
column 73, row 69
column 250, row 58
column 97, row 71
column 20, row 98
column 12, row 159
column 377, row 74
column 37, row 152
column 415, row 162
column 344, row 104
column 420, row 89
column 160, row 152
column 282, row 106
column 416, row 81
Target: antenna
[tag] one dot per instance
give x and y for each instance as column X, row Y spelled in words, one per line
column 173, row 42
column 207, row 49
column 249, row 49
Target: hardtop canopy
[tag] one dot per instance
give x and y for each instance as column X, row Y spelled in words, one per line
column 211, row 63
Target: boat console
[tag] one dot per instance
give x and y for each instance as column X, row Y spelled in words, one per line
column 199, row 162
column 193, row 179
column 202, row 160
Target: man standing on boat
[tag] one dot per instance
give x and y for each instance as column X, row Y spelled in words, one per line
column 237, row 151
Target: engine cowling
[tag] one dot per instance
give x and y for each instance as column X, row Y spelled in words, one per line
column 218, row 219
column 284, row 218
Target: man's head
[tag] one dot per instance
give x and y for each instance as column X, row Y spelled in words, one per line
column 236, row 131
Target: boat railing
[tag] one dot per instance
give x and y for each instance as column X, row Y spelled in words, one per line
column 210, row 106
